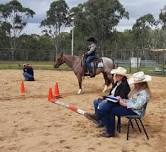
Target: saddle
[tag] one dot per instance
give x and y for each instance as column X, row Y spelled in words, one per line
column 95, row 64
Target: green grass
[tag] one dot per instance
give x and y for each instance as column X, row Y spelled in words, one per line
column 36, row 65
column 147, row 70
column 49, row 66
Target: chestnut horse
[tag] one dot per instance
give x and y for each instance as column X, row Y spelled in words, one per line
column 75, row 63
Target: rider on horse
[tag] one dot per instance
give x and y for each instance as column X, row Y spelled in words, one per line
column 91, row 55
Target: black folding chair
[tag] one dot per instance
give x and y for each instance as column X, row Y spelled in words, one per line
column 137, row 119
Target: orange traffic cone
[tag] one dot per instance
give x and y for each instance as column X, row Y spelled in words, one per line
column 50, row 95
column 22, row 88
column 56, row 91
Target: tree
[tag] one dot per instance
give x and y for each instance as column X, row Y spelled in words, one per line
column 57, row 16
column 142, row 28
column 3, row 38
column 13, row 17
column 162, row 17
column 65, row 41
column 99, row 18
column 78, row 14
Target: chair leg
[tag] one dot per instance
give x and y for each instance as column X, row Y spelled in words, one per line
column 138, row 125
column 144, row 129
column 132, row 124
column 128, row 128
column 119, row 124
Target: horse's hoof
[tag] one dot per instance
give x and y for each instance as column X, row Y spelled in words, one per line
column 79, row 91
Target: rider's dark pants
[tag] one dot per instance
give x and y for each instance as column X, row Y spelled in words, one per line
column 102, row 108
column 109, row 119
column 89, row 59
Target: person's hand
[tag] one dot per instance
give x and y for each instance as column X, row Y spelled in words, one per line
column 118, row 97
column 122, row 102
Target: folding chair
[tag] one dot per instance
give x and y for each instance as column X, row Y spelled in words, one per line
column 137, row 119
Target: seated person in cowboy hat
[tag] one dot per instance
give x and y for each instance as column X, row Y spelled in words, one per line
column 120, row 88
column 28, row 72
column 138, row 97
column 91, row 55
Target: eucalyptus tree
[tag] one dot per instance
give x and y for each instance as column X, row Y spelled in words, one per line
column 141, row 30
column 3, row 38
column 162, row 17
column 13, row 17
column 78, row 14
column 57, row 17
column 99, row 18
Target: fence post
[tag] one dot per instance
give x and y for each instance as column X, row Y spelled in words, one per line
column 130, row 65
column 163, row 64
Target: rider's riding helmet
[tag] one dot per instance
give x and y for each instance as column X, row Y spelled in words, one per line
column 92, row 39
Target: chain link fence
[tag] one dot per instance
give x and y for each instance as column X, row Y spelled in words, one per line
column 133, row 59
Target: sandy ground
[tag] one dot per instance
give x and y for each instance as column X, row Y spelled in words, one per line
column 32, row 124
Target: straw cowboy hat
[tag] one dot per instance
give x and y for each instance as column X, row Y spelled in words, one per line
column 120, row 71
column 139, row 77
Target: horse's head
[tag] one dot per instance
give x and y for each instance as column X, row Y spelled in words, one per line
column 58, row 61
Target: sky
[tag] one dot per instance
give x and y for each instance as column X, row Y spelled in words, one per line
column 136, row 9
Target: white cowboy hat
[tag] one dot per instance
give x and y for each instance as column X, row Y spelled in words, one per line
column 119, row 71
column 139, row 77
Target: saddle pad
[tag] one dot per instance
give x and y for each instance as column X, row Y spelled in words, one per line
column 111, row 98
column 100, row 65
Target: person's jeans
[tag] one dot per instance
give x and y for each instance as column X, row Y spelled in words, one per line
column 89, row 59
column 28, row 77
column 102, row 108
column 109, row 119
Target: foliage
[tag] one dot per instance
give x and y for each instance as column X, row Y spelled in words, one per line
column 100, row 17
column 57, row 16
column 13, row 19
column 141, row 30
column 162, row 17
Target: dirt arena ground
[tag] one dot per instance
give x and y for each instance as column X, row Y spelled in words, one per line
column 32, row 124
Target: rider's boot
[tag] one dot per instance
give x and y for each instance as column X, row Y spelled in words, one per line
column 91, row 74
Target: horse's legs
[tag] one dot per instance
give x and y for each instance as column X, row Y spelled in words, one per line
column 107, row 81
column 79, row 77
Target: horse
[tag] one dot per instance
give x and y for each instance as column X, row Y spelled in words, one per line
column 75, row 63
